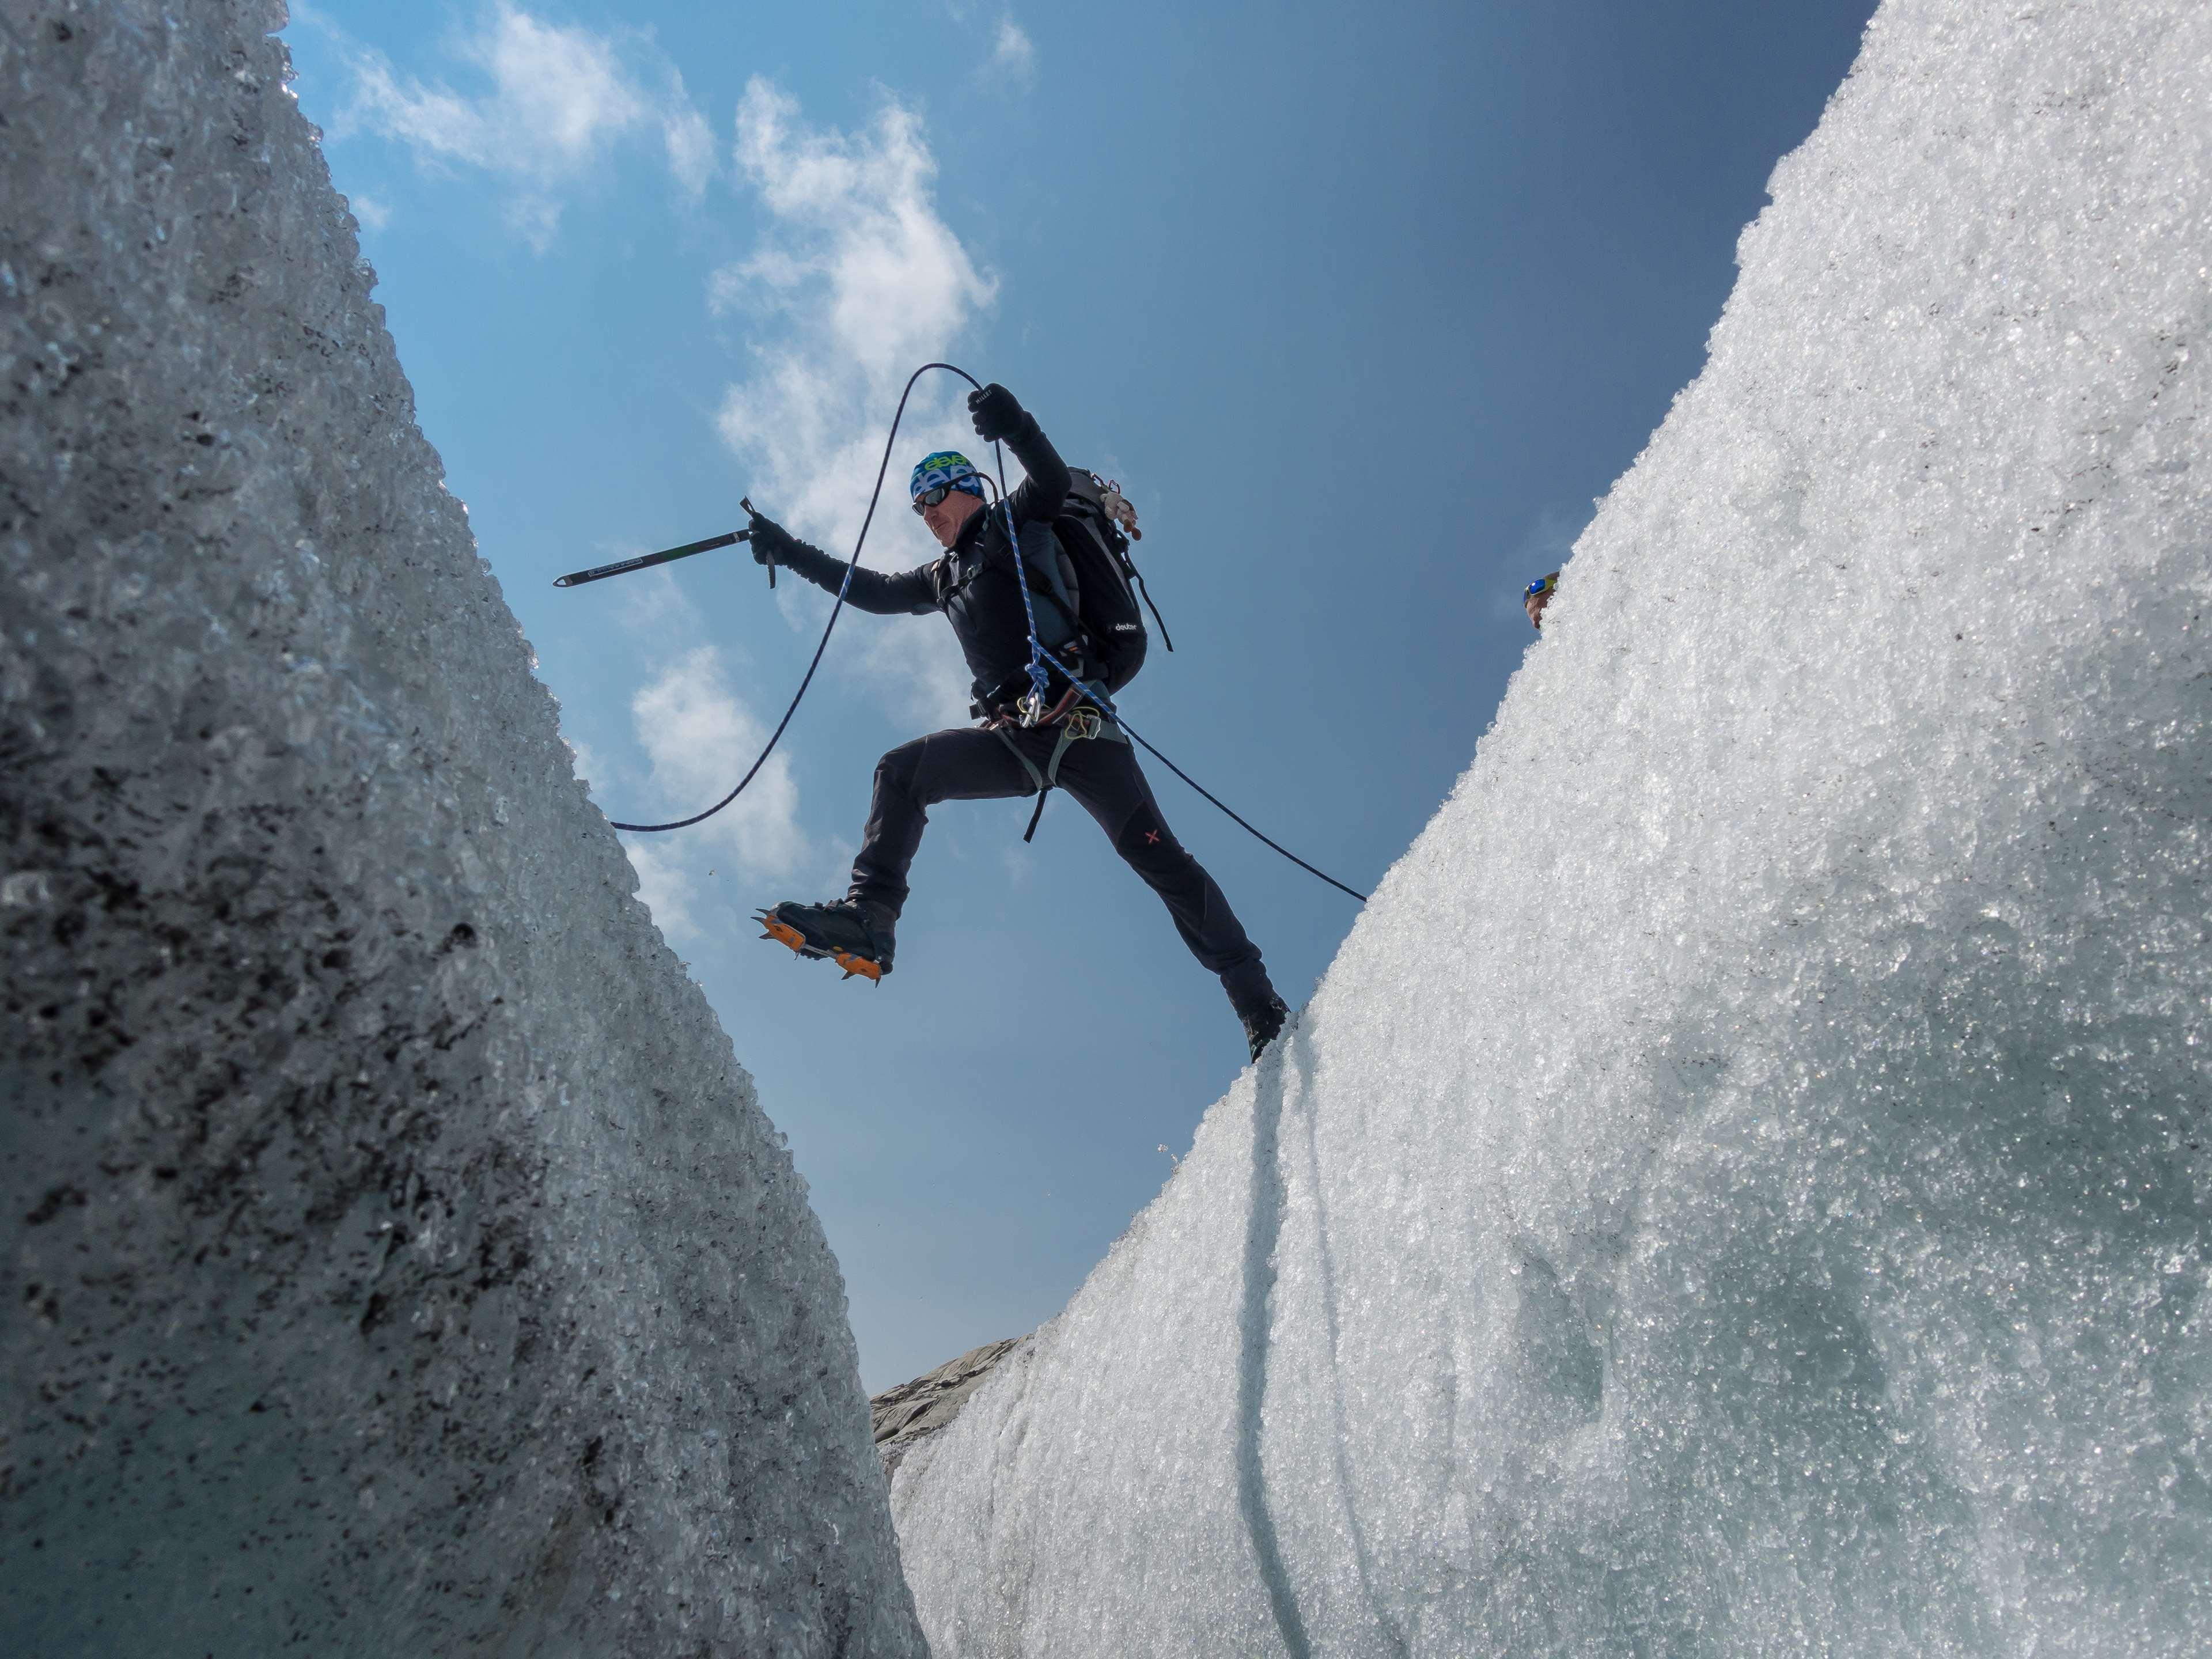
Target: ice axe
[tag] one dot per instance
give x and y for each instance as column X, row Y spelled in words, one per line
column 666, row 556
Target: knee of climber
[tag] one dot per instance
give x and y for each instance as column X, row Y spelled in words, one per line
column 896, row 771
column 1148, row 844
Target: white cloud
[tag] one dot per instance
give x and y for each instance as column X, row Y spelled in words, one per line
column 691, row 143
column 697, row 737
column 558, row 101
column 583, row 760
column 700, row 738
column 860, row 282
column 370, row 212
column 1012, row 52
column 665, row 888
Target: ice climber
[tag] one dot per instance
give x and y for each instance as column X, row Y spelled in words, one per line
column 1537, row 596
column 973, row 583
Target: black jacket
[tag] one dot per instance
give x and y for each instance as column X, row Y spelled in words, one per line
column 974, row 582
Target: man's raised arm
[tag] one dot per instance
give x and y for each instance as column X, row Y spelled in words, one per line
column 1000, row 418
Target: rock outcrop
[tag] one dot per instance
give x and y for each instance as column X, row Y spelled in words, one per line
column 908, row 1414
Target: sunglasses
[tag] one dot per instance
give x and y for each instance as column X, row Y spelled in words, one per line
column 931, row 497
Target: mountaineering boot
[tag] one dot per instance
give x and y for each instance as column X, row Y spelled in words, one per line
column 1264, row 1024
column 851, row 933
column 1252, row 995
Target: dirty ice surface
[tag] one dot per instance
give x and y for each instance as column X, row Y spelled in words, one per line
column 1743, row 1186
column 398, row 1262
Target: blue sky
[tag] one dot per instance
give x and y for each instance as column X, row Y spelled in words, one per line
column 1363, row 308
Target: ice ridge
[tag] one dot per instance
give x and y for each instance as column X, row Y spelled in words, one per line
column 400, row 1261
column 1743, row 1186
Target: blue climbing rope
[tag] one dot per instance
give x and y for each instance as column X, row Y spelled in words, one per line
column 1042, row 663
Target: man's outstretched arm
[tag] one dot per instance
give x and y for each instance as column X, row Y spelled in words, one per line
column 908, row 593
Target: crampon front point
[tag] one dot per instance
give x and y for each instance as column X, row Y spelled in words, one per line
column 783, row 932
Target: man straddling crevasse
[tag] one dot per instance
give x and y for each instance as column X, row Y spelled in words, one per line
column 974, row 583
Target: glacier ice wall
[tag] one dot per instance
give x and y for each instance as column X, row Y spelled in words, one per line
column 398, row 1261
column 1743, row 1188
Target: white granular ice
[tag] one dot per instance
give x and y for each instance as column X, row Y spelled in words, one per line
column 1743, row 1186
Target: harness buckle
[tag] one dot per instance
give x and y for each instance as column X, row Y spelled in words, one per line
column 1083, row 723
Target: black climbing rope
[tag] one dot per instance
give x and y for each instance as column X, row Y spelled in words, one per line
column 836, row 611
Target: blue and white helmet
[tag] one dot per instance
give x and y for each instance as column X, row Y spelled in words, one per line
column 948, row 467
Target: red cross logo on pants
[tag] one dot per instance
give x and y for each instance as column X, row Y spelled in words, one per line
column 1152, row 837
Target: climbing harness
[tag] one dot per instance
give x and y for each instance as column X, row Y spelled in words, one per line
column 1038, row 674
column 1034, row 708
column 1076, row 725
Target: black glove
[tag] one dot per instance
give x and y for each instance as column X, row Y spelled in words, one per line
column 771, row 543
column 997, row 414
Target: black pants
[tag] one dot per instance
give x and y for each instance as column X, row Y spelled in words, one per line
column 1101, row 773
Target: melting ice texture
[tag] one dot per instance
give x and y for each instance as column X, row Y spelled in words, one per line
column 1742, row 1188
column 398, row 1261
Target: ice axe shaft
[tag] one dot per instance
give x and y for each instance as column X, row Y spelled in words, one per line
column 646, row 561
